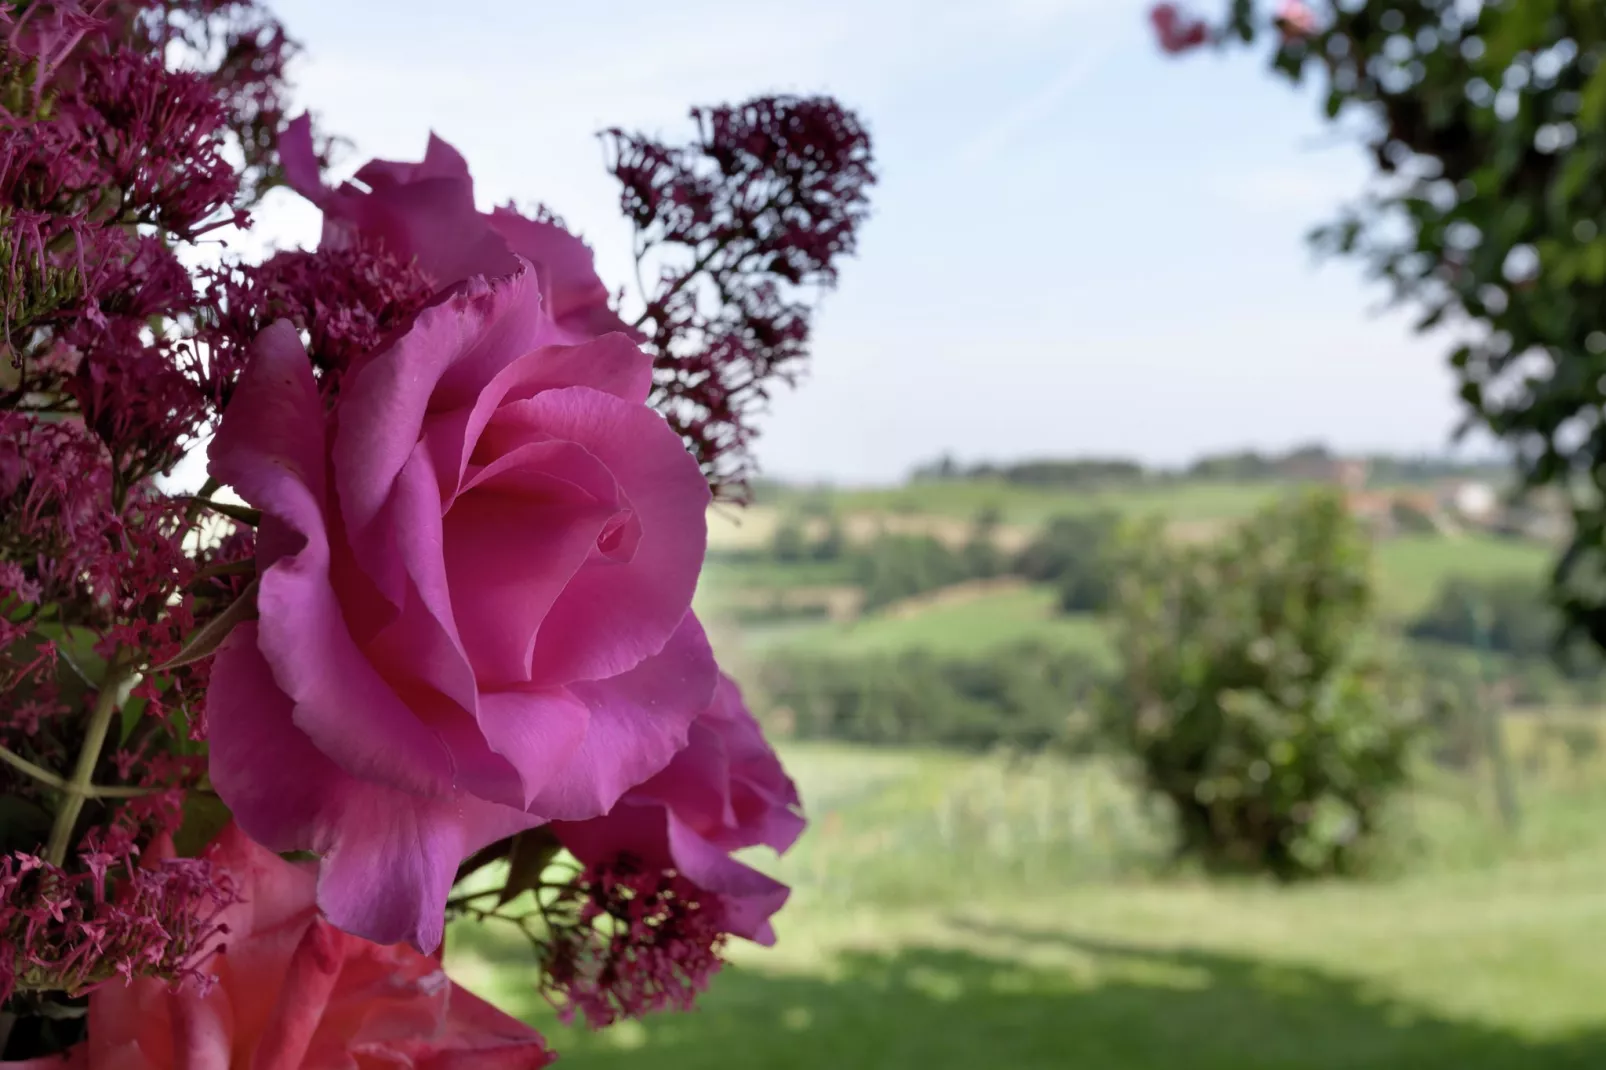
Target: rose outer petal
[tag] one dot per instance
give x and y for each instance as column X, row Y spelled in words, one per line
column 388, row 857
column 639, row 721
column 269, row 448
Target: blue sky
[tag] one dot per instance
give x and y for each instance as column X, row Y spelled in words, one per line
column 1078, row 245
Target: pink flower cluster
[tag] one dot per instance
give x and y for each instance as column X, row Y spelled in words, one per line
column 456, row 604
column 74, row 932
column 735, row 225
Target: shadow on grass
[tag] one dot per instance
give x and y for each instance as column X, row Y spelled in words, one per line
column 1108, row 1007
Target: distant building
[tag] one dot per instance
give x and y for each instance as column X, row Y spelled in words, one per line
column 1386, row 513
column 1351, row 474
column 1472, row 500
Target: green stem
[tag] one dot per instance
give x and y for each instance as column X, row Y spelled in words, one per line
column 120, row 677
column 198, row 501
column 49, row 779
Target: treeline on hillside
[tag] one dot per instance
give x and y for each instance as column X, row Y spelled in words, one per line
column 1023, row 698
column 1308, row 462
column 1078, row 472
column 1066, row 554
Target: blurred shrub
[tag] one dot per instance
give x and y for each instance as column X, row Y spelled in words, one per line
column 900, row 566
column 1249, row 692
column 1071, row 553
column 1024, row 698
column 832, row 545
column 789, row 544
column 983, row 560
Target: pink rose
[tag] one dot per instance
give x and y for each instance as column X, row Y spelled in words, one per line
column 293, row 992
column 425, row 211
column 724, row 792
column 474, row 601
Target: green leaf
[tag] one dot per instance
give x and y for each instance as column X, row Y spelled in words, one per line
column 1592, row 261
column 1592, row 103
column 210, row 635
column 130, row 714
column 23, row 825
column 204, row 817
column 1577, row 169
column 533, row 851
column 76, row 647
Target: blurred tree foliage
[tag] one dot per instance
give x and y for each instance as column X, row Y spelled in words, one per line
column 1249, row 691
column 894, row 567
column 790, row 544
column 1487, row 124
column 1071, row 553
column 983, row 559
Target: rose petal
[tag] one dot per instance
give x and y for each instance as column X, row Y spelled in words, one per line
column 422, row 641
column 300, row 160
column 508, row 559
column 452, row 351
column 611, row 364
column 538, row 732
column 389, row 864
column 389, row 858
column 749, row 897
column 578, row 299
column 639, row 721
column 441, row 160
column 314, row 968
column 609, row 618
column 270, row 445
column 202, row 1030
column 341, row 702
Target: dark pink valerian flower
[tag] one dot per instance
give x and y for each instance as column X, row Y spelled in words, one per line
column 424, row 212
column 288, row 991
column 1177, row 32
column 626, row 940
column 475, row 584
column 724, row 792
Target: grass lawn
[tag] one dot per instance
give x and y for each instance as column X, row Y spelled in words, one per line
column 989, row 621
column 1481, row 959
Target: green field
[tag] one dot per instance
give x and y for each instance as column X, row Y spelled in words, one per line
column 728, row 575
column 971, row 626
column 957, row 913
column 1411, row 568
